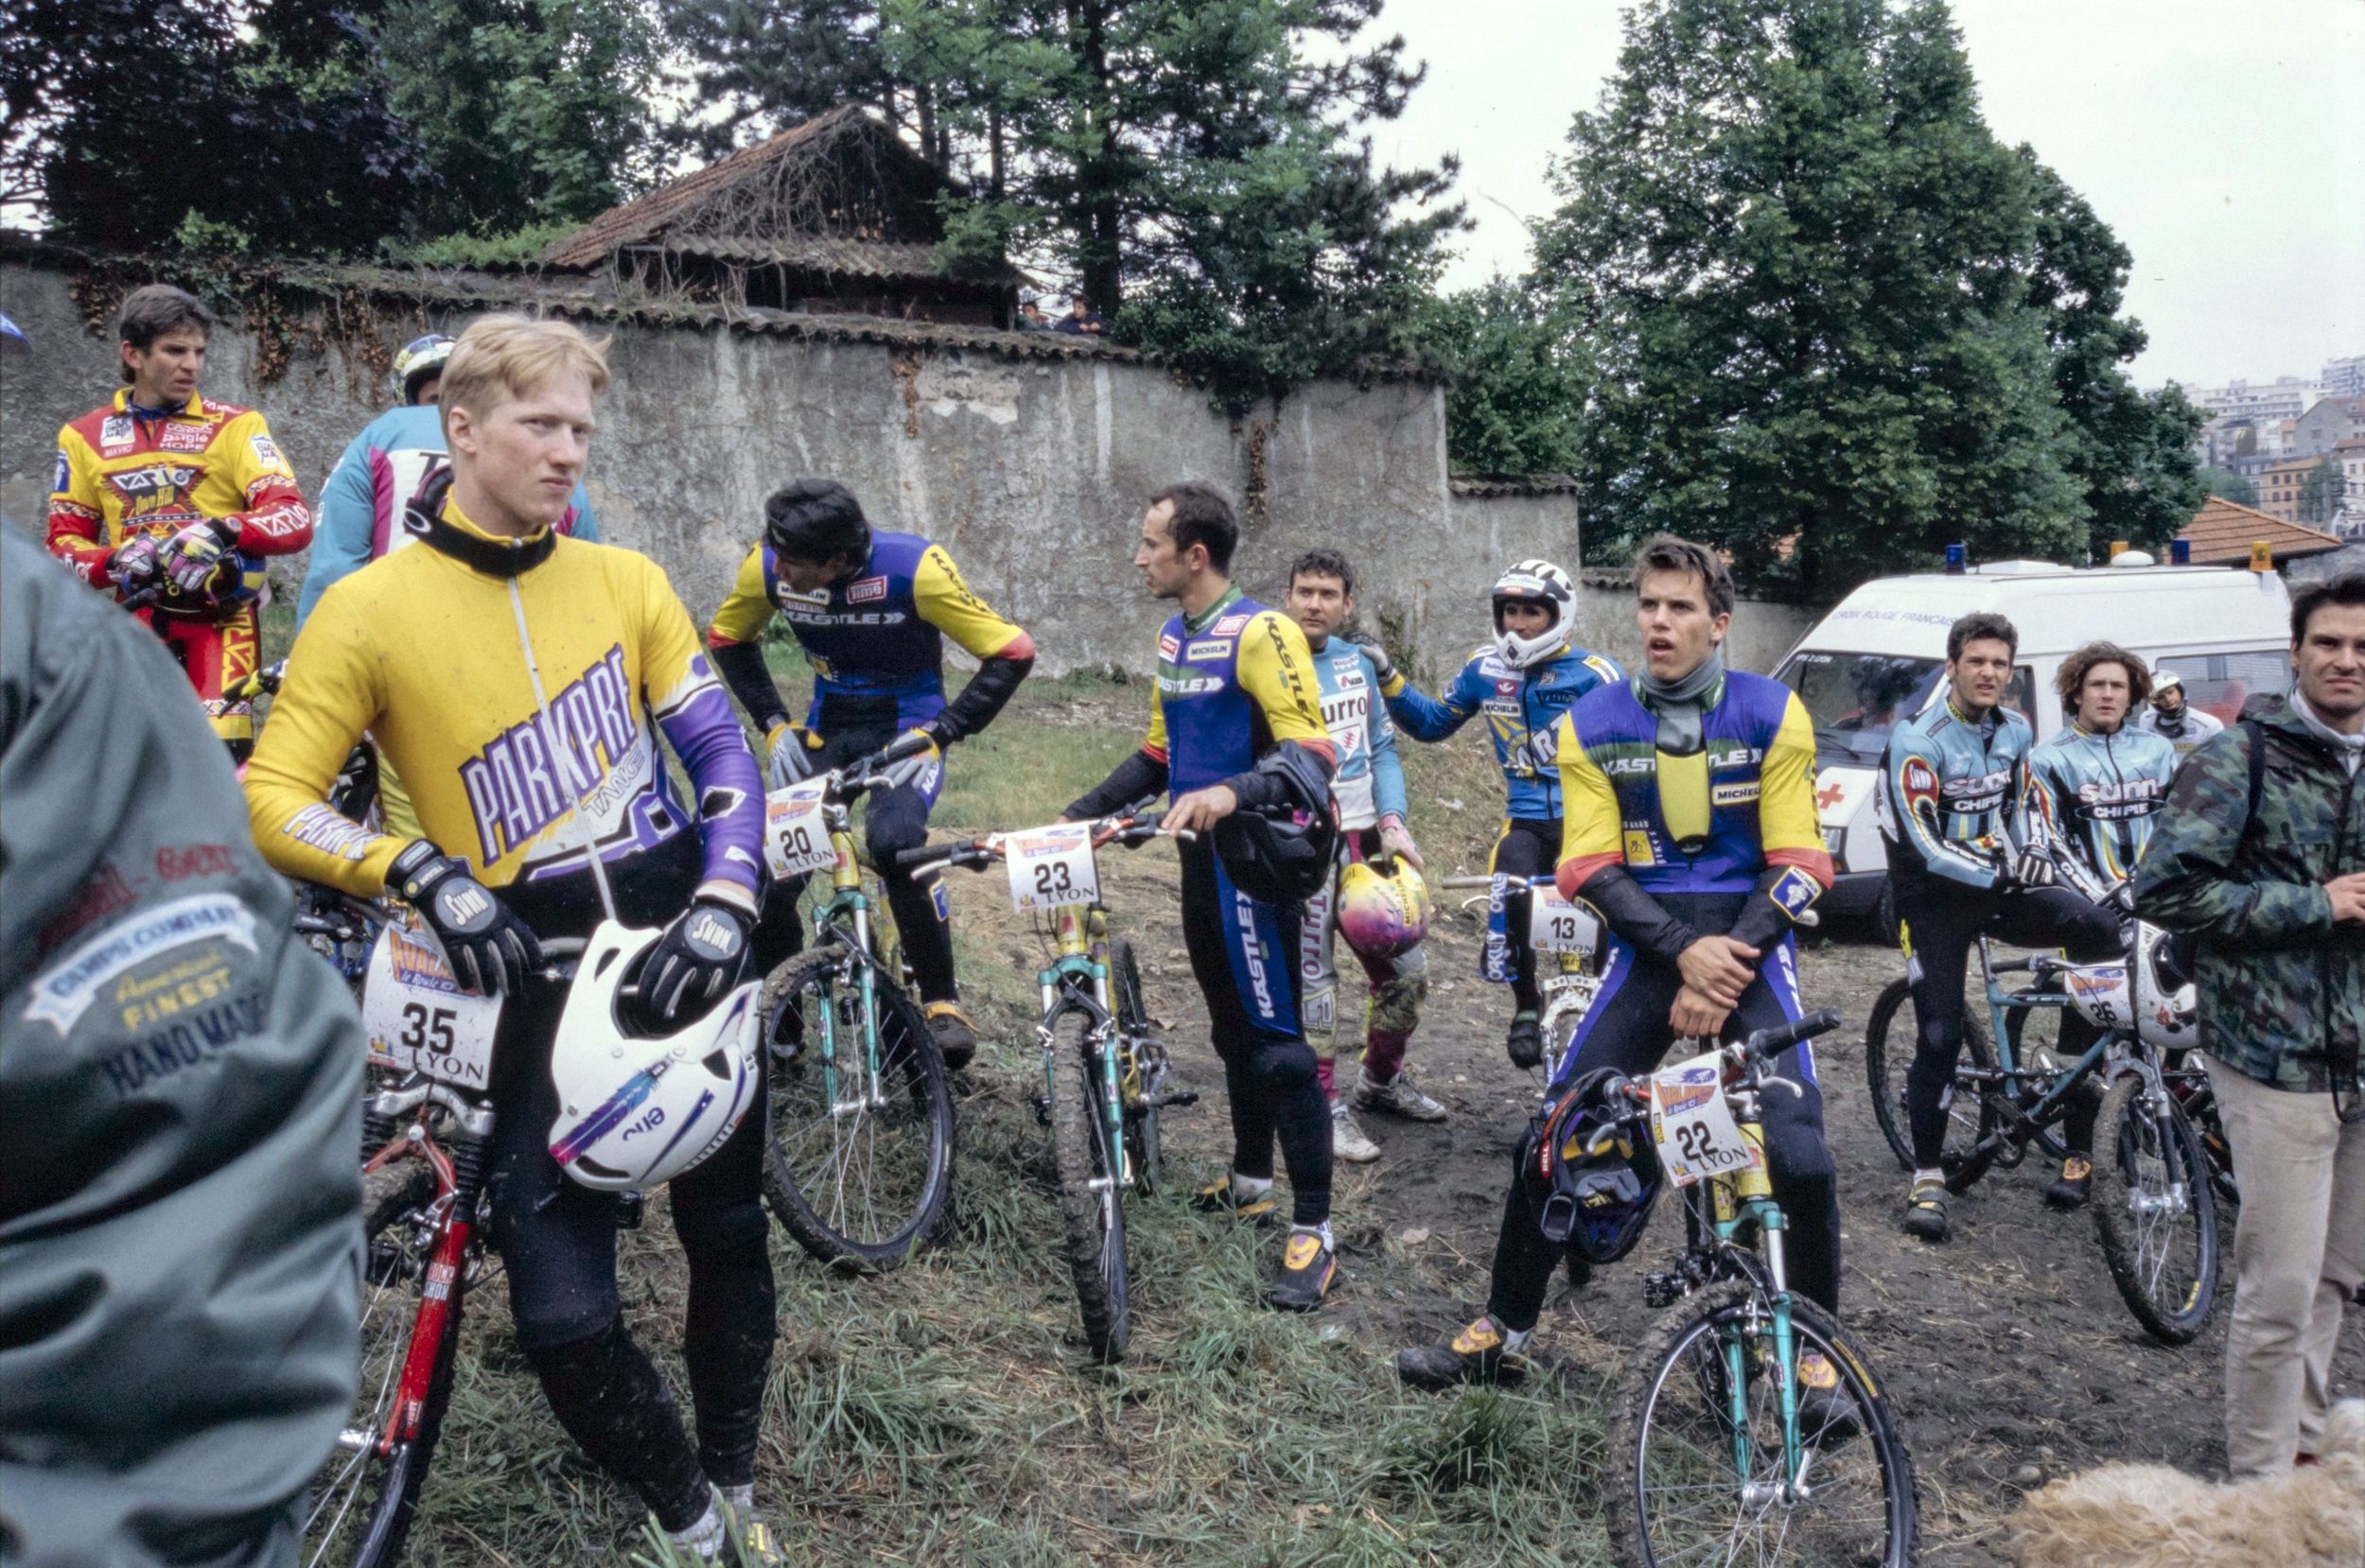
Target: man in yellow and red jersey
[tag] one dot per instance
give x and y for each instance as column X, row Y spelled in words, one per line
column 871, row 610
column 170, row 498
column 1690, row 823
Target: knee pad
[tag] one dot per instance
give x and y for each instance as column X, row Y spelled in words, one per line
column 726, row 1229
column 554, row 1336
column 1285, row 1064
column 1318, row 1013
column 1397, row 1005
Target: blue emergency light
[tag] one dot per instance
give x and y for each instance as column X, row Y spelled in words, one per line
column 1958, row 560
column 2180, row 553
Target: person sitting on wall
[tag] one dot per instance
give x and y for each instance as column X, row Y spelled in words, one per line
column 1080, row 318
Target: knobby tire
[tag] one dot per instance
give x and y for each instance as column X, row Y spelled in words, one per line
column 1143, row 1137
column 1094, row 1222
column 863, row 1188
column 1888, row 1057
column 2143, row 1151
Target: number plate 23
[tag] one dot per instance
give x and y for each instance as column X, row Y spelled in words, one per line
column 795, row 840
column 419, row 1019
column 1050, row 866
column 1692, row 1126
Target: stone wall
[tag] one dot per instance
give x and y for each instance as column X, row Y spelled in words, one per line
column 1033, row 471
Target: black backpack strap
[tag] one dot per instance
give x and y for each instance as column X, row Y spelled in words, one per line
column 2255, row 733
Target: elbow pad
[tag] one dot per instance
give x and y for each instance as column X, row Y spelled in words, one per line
column 1639, row 919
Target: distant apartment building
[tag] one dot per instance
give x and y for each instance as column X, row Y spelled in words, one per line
column 2345, row 378
column 2350, row 455
column 2279, row 487
column 2262, row 402
column 2326, row 426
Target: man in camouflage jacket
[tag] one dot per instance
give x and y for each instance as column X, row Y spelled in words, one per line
column 2261, row 855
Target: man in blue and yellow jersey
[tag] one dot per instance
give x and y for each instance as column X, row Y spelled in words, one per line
column 871, row 610
column 518, row 680
column 1524, row 682
column 1236, row 729
column 1690, row 824
column 2090, row 795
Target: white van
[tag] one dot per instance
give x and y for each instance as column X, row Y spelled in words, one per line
column 1882, row 653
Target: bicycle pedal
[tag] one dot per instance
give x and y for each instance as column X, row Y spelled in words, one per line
column 1043, row 1109
column 1662, row 1290
column 1165, row 1098
column 631, row 1209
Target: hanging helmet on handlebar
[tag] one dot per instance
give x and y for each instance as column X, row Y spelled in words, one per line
column 1598, row 1179
column 1383, row 907
column 637, row 1109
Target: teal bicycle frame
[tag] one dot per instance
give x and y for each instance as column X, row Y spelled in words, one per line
column 1078, row 977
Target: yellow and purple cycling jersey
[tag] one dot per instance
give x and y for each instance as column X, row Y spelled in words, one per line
column 875, row 640
column 421, row 649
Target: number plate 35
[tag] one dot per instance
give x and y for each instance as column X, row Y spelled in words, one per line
column 1050, row 866
column 1692, row 1126
column 417, row 1018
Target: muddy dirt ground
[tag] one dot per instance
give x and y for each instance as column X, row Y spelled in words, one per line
column 2007, row 1351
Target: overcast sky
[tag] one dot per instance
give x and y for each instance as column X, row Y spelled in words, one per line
column 2224, row 140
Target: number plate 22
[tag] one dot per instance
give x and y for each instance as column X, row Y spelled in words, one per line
column 417, row 1017
column 1050, row 866
column 1692, row 1126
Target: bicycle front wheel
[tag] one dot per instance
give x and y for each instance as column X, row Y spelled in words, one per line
column 1699, row 1468
column 858, row 1153
column 361, row 1506
column 1091, row 1208
column 2156, row 1210
column 1889, row 1042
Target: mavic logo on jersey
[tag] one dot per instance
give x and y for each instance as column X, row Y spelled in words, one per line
column 519, row 784
column 1209, row 651
column 116, row 435
column 1229, row 626
column 864, row 589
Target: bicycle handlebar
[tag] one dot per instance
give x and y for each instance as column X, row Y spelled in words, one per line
column 975, row 854
column 1767, row 1044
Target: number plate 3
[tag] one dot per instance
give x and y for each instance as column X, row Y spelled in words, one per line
column 1050, row 866
column 417, row 1018
column 1693, row 1125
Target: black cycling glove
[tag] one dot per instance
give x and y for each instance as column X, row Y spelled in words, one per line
column 698, row 959
column 490, row 949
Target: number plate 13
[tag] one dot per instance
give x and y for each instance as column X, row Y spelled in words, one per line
column 1050, row 866
column 417, row 1018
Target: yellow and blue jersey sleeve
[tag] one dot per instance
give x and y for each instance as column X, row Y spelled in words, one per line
column 1277, row 669
column 946, row 603
column 1591, row 830
column 747, row 609
column 1790, row 829
column 1154, row 744
column 331, row 694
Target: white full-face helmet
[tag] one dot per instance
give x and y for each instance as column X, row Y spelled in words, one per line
column 636, row 1109
column 1539, row 583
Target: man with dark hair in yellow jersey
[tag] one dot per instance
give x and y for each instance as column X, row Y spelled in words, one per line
column 1690, row 824
column 871, row 610
column 516, row 679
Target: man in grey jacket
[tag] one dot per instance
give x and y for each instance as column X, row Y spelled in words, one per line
column 180, row 1180
column 2261, row 853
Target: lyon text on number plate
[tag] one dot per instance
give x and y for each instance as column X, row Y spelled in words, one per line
column 1050, row 866
column 795, row 840
column 1693, row 1127
column 1557, row 925
column 417, row 1018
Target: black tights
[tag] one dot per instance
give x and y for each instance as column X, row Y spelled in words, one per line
column 1526, row 848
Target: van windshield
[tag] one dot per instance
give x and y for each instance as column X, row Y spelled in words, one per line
column 1855, row 699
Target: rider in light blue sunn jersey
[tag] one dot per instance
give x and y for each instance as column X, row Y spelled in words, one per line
column 1523, row 680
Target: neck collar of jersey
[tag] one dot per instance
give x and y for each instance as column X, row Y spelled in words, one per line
column 2082, row 727
column 1193, row 625
column 1987, row 724
column 193, row 409
column 439, row 523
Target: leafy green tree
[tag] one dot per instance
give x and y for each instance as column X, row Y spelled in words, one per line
column 2234, row 487
column 2320, row 495
column 1194, row 161
column 529, row 111
column 268, row 121
column 1517, row 380
column 1815, row 287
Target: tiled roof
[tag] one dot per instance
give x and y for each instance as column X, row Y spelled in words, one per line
column 649, row 216
column 2221, row 532
column 864, row 258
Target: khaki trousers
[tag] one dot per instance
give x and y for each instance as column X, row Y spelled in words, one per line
column 2298, row 1254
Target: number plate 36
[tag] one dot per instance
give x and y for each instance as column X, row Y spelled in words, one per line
column 417, row 1018
column 1050, row 866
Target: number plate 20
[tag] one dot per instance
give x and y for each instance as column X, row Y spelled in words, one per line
column 1050, row 866
column 795, row 840
column 417, row 1018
